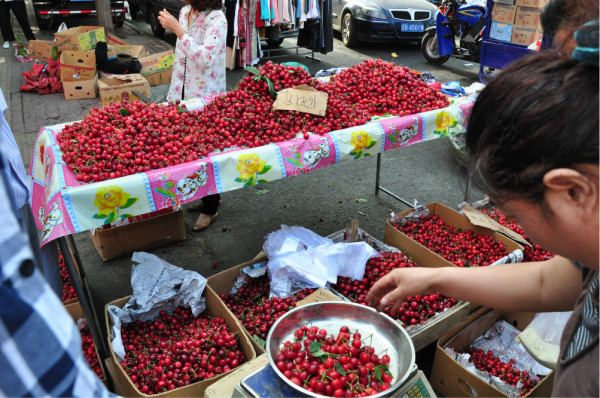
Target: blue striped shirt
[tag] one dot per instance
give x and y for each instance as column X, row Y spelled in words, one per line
column 17, row 180
column 40, row 346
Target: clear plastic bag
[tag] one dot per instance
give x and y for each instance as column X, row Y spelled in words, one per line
column 541, row 338
column 61, row 27
column 300, row 258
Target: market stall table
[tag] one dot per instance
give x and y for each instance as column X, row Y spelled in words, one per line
column 65, row 206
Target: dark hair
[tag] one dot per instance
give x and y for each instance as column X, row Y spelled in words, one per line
column 206, row 5
column 538, row 114
column 552, row 15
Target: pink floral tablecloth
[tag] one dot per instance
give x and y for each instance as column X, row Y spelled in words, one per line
column 65, row 206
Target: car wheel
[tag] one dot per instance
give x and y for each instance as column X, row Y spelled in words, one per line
column 119, row 23
column 156, row 27
column 134, row 10
column 348, row 30
column 41, row 22
column 429, row 48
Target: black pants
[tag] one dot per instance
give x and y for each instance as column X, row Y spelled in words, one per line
column 211, row 204
column 18, row 8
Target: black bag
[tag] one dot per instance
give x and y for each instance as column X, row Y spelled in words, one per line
column 121, row 65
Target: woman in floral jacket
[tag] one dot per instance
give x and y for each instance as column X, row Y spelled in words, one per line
column 199, row 69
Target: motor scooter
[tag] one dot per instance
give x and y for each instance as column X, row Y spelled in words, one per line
column 458, row 33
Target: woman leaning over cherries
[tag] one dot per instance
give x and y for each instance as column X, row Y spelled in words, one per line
column 199, row 68
column 533, row 138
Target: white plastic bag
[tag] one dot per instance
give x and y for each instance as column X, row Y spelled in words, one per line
column 300, row 258
column 61, row 27
column 291, row 239
column 541, row 338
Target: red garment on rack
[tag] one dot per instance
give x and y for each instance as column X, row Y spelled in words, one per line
column 259, row 22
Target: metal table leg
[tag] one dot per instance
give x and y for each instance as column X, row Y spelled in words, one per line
column 382, row 189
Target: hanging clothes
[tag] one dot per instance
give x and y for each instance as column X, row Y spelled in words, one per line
column 230, row 6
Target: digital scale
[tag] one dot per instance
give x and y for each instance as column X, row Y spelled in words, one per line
column 265, row 383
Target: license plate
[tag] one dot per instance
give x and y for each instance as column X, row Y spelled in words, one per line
column 412, row 27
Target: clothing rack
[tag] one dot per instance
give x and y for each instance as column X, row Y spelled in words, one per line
column 316, row 34
column 287, row 34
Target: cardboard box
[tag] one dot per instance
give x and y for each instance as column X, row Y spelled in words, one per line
column 450, row 379
column 142, row 235
column 157, row 68
column 114, row 40
column 135, row 51
column 225, row 386
column 77, row 65
column 528, row 17
column 501, row 31
column 503, row 13
column 532, row 3
column 43, row 49
column 160, row 77
column 422, row 255
column 118, row 88
column 426, row 333
column 524, row 36
column 222, row 283
column 76, row 312
column 215, row 307
column 80, row 38
column 81, row 89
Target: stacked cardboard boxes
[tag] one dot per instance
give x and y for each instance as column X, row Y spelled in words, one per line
column 517, row 23
column 503, row 18
column 528, row 28
column 78, row 60
column 78, row 74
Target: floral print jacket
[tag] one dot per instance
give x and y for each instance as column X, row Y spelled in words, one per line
column 199, row 56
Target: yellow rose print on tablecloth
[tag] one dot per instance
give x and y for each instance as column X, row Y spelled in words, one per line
column 361, row 140
column 110, row 201
column 251, row 166
column 444, row 122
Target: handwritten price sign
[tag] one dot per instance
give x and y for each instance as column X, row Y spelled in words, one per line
column 302, row 99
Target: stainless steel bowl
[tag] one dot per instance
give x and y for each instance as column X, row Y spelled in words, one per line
column 331, row 315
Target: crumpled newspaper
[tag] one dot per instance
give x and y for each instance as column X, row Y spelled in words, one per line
column 157, row 286
column 419, row 210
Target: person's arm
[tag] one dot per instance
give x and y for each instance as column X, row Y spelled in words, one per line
column 552, row 285
column 204, row 52
column 171, row 23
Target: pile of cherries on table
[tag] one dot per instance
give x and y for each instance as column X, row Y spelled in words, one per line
column 176, row 350
column 338, row 365
column 490, row 363
column 415, row 310
column 462, row 248
column 125, row 138
column 533, row 253
column 255, row 310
